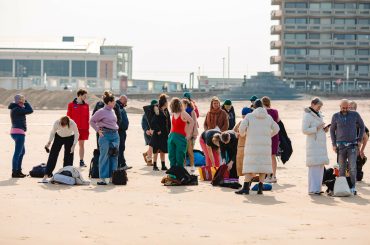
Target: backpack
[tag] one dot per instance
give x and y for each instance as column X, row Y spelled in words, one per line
column 199, row 158
column 38, row 171
column 221, row 173
column 119, row 177
column 94, row 165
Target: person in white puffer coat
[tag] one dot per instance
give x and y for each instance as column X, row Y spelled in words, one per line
column 313, row 127
column 258, row 127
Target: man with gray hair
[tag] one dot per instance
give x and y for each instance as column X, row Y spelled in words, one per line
column 345, row 139
column 121, row 103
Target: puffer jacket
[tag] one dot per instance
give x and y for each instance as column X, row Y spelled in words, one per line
column 258, row 127
column 18, row 115
column 316, row 151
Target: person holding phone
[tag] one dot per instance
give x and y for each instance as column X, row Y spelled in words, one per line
column 313, row 127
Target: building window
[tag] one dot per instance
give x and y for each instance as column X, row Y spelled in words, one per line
column 78, row 68
column 338, row 52
column 351, row 5
column 363, row 68
column 56, row 68
column 300, row 36
column 295, row 21
column 314, row 52
column 325, row 36
column 314, row 36
column 339, row 67
column 300, row 67
column 31, row 67
column 91, row 68
column 315, row 21
column 363, row 52
column 314, row 67
column 363, row 37
column 325, row 52
column 339, row 21
column 344, row 37
column 6, row 68
column 325, row 6
column 299, row 5
column 364, row 6
column 339, row 6
column 289, row 67
column 363, row 21
column 349, row 52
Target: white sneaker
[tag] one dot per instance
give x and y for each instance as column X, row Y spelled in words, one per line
column 267, row 180
column 192, row 169
column 273, row 180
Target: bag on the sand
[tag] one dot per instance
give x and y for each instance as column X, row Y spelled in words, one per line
column 180, row 176
column 199, row 158
column 221, row 173
column 119, row 177
column 207, row 173
column 341, row 188
column 38, row 171
column 63, row 179
column 232, row 183
column 265, row 187
column 94, row 165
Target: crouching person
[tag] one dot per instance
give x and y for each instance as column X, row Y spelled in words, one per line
column 258, row 127
column 104, row 122
column 64, row 133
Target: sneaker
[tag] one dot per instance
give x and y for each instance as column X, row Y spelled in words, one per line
column 273, row 180
column 82, row 163
column 102, row 182
column 18, row 175
column 267, row 180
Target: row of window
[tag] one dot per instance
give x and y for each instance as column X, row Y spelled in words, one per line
column 326, row 52
column 325, row 67
column 327, row 5
column 327, row 21
column 325, row 36
column 59, row 68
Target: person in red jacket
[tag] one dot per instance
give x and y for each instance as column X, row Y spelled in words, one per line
column 78, row 111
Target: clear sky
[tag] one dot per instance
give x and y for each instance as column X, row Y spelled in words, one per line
column 170, row 38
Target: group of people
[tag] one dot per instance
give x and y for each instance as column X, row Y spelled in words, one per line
column 248, row 147
column 109, row 120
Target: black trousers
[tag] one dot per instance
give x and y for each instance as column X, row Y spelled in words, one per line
column 122, row 147
column 54, row 152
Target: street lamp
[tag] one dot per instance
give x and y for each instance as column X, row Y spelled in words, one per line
column 223, row 71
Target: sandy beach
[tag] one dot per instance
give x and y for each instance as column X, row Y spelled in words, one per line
column 146, row 212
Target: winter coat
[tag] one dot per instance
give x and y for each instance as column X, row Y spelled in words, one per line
column 258, row 127
column 18, row 115
column 316, row 151
column 240, row 151
column 231, row 115
column 79, row 113
column 123, row 123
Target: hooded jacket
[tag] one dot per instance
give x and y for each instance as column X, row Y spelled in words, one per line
column 258, row 127
column 18, row 115
column 316, row 151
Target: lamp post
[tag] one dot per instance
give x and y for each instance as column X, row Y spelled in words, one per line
column 223, row 72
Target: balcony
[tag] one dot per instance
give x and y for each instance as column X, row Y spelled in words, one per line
column 325, row 75
column 276, row 14
column 275, row 59
column 275, row 44
column 276, row 29
column 326, row 59
column 276, row 2
column 327, row 43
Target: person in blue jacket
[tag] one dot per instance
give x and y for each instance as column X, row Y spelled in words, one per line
column 18, row 111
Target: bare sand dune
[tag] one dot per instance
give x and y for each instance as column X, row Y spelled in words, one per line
column 145, row 212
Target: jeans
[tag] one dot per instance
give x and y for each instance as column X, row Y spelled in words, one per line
column 54, row 152
column 108, row 163
column 122, row 147
column 348, row 153
column 18, row 151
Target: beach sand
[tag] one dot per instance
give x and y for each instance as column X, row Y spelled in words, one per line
column 146, row 212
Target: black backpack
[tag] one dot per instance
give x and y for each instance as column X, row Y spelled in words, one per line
column 360, row 163
column 94, row 165
column 119, row 177
column 38, row 171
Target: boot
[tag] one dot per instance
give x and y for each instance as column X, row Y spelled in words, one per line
column 155, row 168
column 18, row 174
column 260, row 188
column 164, row 168
column 244, row 190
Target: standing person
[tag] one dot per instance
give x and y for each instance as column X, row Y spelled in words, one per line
column 187, row 95
column 229, row 148
column 148, row 132
column 216, row 117
column 259, row 128
column 274, row 140
column 100, row 104
column 161, row 126
column 210, row 144
column 64, row 133
column 78, row 111
column 121, row 103
column 18, row 111
column 313, row 127
column 191, row 131
column 178, row 138
column 252, row 99
column 241, row 144
column 229, row 109
column 104, row 121
column 345, row 139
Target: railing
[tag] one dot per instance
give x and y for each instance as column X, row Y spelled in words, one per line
column 346, row 43
column 276, row 29
column 276, row 14
column 317, row 27
column 319, row 74
column 331, row 59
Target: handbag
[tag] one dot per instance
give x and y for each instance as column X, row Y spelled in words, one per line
column 206, row 173
column 119, row 177
column 341, row 188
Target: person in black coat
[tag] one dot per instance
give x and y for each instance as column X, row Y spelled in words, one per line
column 229, row 109
column 161, row 126
column 229, row 148
column 121, row 103
column 18, row 111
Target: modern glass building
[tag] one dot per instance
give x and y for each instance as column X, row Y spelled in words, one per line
column 322, row 44
column 68, row 62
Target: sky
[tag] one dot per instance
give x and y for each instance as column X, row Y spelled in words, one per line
column 170, row 38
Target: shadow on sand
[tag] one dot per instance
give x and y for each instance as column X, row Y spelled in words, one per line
column 261, row 199
column 179, row 189
column 9, row 182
